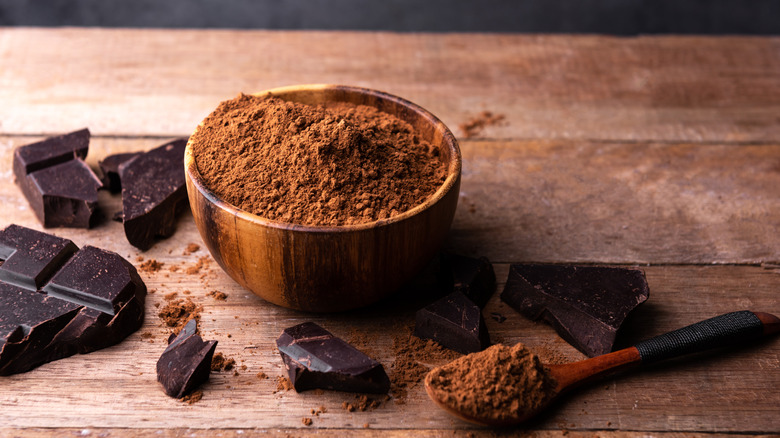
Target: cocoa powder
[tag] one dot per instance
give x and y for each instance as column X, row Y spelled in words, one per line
column 498, row 383
column 330, row 165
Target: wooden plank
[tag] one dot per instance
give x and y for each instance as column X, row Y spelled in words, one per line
column 116, row 387
column 328, row 433
column 572, row 202
column 577, row 201
column 163, row 82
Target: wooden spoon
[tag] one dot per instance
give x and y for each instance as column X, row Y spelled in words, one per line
column 720, row 331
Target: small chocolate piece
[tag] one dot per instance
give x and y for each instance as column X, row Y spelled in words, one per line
column 314, row 358
column 153, row 193
column 109, row 166
column 57, row 300
column 186, row 362
column 472, row 276
column 60, row 187
column 586, row 305
column 454, row 322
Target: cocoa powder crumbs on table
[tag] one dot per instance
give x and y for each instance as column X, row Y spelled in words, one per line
column 262, row 376
column 217, row 295
column 314, row 165
column 191, row 248
column 306, row 421
column 178, row 312
column 475, row 125
column 283, row 384
column 150, row 266
column 220, row 362
column 193, row 397
column 203, row 262
column 411, row 354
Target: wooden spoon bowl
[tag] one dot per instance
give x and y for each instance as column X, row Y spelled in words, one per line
column 325, row 268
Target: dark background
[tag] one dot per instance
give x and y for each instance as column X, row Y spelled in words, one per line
column 617, row 17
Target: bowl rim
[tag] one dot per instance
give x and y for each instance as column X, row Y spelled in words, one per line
column 450, row 182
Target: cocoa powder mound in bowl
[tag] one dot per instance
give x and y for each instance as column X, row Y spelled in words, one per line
column 344, row 208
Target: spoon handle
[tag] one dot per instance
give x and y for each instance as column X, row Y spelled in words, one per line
column 720, row 331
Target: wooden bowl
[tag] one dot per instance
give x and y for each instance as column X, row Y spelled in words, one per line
column 326, row 268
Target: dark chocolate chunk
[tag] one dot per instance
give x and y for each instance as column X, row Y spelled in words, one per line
column 586, row 305
column 314, row 358
column 109, row 167
column 153, row 193
column 186, row 362
column 454, row 322
column 472, row 276
column 57, row 300
column 60, row 187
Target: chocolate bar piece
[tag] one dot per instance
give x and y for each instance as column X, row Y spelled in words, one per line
column 109, row 166
column 153, row 193
column 454, row 322
column 314, row 358
column 586, row 305
column 186, row 362
column 60, row 187
column 472, row 276
column 57, row 300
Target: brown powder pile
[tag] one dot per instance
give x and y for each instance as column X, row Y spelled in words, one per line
column 193, row 397
column 191, row 248
column 220, row 362
column 283, row 384
column 314, row 165
column 499, row 383
column 203, row 262
column 408, row 369
column 217, row 295
column 362, row 403
column 476, row 124
column 150, row 266
column 178, row 312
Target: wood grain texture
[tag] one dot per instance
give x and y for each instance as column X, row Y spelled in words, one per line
column 163, row 82
column 661, row 153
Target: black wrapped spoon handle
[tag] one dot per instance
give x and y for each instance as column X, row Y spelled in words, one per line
column 721, row 331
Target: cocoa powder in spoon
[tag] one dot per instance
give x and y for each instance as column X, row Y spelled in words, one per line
column 329, row 165
column 498, row 383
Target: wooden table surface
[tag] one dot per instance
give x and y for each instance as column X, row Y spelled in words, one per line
column 656, row 152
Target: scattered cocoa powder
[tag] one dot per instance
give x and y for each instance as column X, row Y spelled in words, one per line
column 262, row 376
column 178, row 312
column 363, row 403
column 217, row 295
column 150, row 266
column 203, row 262
column 476, row 124
column 496, row 384
column 192, row 397
column 283, row 384
column 306, row 421
column 220, row 362
column 411, row 354
column 314, row 165
column 191, row 248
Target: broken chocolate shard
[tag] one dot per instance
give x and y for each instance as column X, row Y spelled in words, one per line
column 60, row 187
column 186, row 362
column 586, row 305
column 314, row 358
column 455, row 322
column 57, row 300
column 153, row 193
column 109, row 167
column 474, row 277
